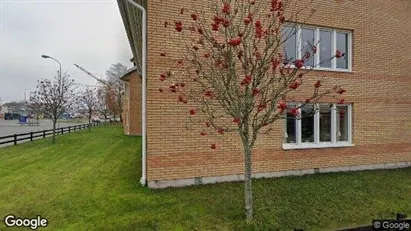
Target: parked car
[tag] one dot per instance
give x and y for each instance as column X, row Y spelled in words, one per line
column 11, row 116
column 96, row 120
column 79, row 116
column 109, row 119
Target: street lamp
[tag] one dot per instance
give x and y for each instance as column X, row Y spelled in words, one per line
column 49, row 57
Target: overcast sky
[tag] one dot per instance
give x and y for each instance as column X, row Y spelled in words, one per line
column 88, row 33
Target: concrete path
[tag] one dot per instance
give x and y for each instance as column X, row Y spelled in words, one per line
column 11, row 127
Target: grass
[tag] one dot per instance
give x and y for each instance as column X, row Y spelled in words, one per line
column 90, row 181
column 72, row 121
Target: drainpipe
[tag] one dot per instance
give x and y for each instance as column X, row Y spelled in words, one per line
column 143, row 89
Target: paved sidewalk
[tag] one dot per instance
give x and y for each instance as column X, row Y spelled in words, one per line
column 11, row 127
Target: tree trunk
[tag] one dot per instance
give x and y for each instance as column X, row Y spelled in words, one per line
column 53, row 140
column 248, row 193
column 89, row 121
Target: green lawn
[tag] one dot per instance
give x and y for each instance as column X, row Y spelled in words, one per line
column 72, row 121
column 90, row 181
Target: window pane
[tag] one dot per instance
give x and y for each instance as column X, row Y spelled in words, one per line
column 325, row 123
column 307, row 40
column 342, row 45
column 325, row 48
column 290, row 45
column 342, row 123
column 290, row 133
column 307, row 123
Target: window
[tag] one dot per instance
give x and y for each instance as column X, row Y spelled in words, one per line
column 325, row 48
column 342, row 123
column 307, row 123
column 318, row 126
column 325, row 123
column 290, row 129
column 342, row 45
column 302, row 37
column 290, row 44
column 307, row 39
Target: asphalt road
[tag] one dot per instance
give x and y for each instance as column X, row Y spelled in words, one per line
column 11, row 127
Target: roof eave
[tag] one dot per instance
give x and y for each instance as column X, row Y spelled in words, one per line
column 126, row 23
column 124, row 75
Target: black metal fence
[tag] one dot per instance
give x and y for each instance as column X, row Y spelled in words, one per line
column 45, row 133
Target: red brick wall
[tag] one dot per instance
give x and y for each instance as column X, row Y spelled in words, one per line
column 379, row 88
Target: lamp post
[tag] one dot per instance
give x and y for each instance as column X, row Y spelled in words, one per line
column 49, row 57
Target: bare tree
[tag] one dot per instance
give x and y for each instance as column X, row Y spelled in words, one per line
column 36, row 108
column 103, row 102
column 56, row 97
column 116, row 86
column 113, row 88
column 88, row 101
column 234, row 74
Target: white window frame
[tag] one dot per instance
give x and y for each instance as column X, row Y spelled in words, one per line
column 317, row 143
column 333, row 47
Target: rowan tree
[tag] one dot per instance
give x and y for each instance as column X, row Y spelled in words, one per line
column 234, row 75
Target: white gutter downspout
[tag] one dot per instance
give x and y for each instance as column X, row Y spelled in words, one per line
column 143, row 90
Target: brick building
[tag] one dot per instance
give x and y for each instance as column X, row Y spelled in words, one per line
column 132, row 102
column 372, row 132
